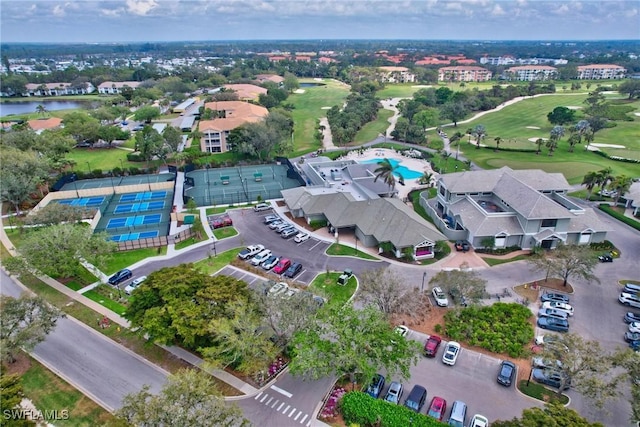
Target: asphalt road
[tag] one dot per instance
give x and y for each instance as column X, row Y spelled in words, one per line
column 99, row 367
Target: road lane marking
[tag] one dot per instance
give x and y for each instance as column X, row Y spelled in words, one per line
column 275, row 403
column 297, row 416
column 281, row 405
column 304, row 418
column 281, row 391
column 269, row 401
column 286, row 409
column 258, row 395
column 293, row 411
column 264, row 397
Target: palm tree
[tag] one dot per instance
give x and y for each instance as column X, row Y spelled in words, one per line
column 479, row 132
column 445, row 156
column 498, row 140
column 556, row 133
column 588, row 137
column 41, row 109
column 552, row 145
column 425, row 178
column 590, row 180
column 385, row 171
column 539, row 143
column 620, row 184
column 604, row 177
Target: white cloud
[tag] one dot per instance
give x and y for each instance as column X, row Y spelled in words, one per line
column 58, row 11
column 498, row 10
column 141, row 7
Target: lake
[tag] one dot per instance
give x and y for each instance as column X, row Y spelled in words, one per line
column 8, row 108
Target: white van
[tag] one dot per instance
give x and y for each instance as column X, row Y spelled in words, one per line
column 458, row 414
column 262, row 207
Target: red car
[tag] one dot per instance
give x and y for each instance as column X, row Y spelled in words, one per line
column 437, row 408
column 221, row 221
column 431, row 346
column 282, row 266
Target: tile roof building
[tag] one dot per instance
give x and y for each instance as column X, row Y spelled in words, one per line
column 530, row 73
column 112, row 88
column 601, row 71
column 464, row 73
column 38, row 125
column 246, row 92
column 524, row 208
column 230, row 115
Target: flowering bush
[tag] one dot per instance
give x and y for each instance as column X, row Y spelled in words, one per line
column 274, row 369
column 330, row 408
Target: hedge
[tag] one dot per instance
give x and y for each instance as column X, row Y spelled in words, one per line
column 363, row 410
column 617, row 215
column 499, row 328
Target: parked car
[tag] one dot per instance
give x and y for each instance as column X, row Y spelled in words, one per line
column 431, row 346
column 553, row 312
column 401, row 330
column 541, row 362
column 451, row 352
column 559, row 306
column 634, row 327
column 415, row 400
column 376, row 386
column 288, row 233
column 394, row 394
column 605, row 258
column 276, row 223
column 631, row 300
column 551, row 377
column 293, row 270
column 554, row 296
column 262, row 207
column 553, row 324
column 631, row 336
column 282, row 266
column 250, row 251
column 282, row 226
column 270, row 218
column 301, row 237
column 134, row 284
column 462, row 245
column 221, row 221
column 261, row 257
column 278, row 289
column 631, row 288
column 458, row 414
column 630, row 317
column 479, row 421
column 343, row 279
column 120, row 276
column 440, row 297
column 270, row 262
column 289, row 293
column 506, row 373
column 437, row 408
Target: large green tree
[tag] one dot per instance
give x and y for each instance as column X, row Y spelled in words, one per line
column 384, row 290
column 149, row 143
column 630, row 87
column 82, row 127
column 454, row 111
column 24, row 322
column 57, row 250
column 178, row 304
column 462, row 282
column 11, row 394
column 146, row 114
column 346, row 341
column 552, row 415
column 189, row 398
column 561, row 116
column 568, row 261
column 21, row 172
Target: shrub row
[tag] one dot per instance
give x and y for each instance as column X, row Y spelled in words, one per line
column 317, row 223
column 361, row 409
column 499, row 328
column 617, row 215
column 602, row 246
column 616, row 158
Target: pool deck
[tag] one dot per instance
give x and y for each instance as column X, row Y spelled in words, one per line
column 408, row 162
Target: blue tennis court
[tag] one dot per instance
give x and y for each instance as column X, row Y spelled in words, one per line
column 140, row 197
column 139, row 207
column 84, row 201
column 132, row 221
column 134, row 236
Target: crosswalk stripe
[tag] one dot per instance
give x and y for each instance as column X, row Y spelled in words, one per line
column 297, row 416
column 269, row 401
column 281, row 405
column 258, row 395
column 304, row 418
column 286, row 409
column 293, row 411
column 275, row 403
column 264, row 397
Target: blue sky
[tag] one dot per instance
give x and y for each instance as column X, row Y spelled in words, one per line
column 175, row 20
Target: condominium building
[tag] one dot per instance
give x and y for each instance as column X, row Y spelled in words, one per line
column 601, row 71
column 530, row 73
column 464, row 73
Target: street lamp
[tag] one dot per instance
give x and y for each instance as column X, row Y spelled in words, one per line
column 424, row 274
column 215, row 253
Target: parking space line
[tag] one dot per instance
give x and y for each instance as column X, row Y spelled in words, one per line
column 311, row 248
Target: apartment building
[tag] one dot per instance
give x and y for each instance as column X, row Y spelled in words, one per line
column 601, row 72
column 230, row 115
column 530, row 73
column 464, row 73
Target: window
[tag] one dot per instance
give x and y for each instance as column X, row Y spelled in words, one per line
column 442, row 190
column 549, row 223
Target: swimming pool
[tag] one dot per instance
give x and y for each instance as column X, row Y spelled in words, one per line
column 400, row 171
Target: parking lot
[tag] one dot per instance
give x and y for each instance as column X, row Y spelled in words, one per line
column 310, row 253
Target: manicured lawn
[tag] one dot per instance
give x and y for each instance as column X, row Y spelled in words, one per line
column 108, row 302
column 104, row 159
column 214, row 263
column 540, row 392
column 224, row 232
column 308, row 109
column 326, row 285
column 190, row 241
column 372, row 130
column 337, row 249
column 498, row 261
column 123, row 259
column 50, row 393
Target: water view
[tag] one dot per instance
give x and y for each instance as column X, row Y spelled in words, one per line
column 13, row 108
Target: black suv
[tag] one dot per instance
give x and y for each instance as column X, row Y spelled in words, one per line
column 120, row 276
column 416, row 398
column 293, row 270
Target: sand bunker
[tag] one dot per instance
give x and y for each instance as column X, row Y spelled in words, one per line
column 574, row 107
column 607, row 145
column 637, row 114
column 325, row 108
column 535, row 139
column 421, row 86
column 532, row 127
column 298, row 91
